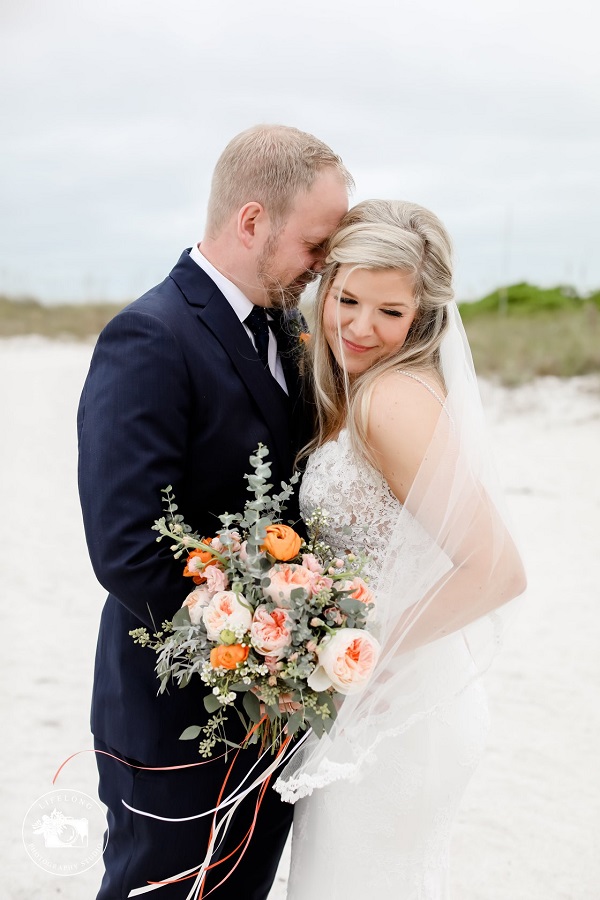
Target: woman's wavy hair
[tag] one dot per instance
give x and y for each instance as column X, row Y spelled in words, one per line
column 374, row 235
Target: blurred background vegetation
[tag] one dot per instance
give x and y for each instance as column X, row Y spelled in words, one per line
column 516, row 333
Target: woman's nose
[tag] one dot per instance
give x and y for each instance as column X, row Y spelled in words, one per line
column 361, row 324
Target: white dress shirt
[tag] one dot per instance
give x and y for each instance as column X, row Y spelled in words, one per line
column 242, row 307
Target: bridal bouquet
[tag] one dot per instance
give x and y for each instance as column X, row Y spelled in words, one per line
column 273, row 619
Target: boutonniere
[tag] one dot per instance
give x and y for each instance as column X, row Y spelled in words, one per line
column 295, row 326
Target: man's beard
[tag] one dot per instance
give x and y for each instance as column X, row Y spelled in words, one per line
column 279, row 295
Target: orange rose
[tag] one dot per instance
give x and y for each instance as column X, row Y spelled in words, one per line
column 197, row 561
column 282, row 542
column 304, row 337
column 228, row 655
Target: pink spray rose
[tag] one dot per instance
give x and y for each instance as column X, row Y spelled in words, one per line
column 273, row 665
column 271, row 632
column 230, row 542
column 310, row 562
column 216, row 579
column 320, row 583
column 346, row 661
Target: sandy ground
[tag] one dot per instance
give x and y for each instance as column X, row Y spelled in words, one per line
column 529, row 827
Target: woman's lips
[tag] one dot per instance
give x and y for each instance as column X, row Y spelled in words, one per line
column 356, row 348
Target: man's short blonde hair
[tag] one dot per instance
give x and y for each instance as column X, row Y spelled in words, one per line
column 269, row 164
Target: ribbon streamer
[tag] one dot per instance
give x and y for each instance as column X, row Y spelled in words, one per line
column 219, row 829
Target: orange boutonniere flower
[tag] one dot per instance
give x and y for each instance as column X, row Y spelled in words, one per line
column 282, row 542
column 228, row 655
column 197, row 562
column 304, row 337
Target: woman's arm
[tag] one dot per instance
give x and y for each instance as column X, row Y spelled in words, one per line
column 413, row 438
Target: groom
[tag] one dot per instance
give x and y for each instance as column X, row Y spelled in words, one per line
column 183, row 385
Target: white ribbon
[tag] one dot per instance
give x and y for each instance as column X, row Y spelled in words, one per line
column 233, row 800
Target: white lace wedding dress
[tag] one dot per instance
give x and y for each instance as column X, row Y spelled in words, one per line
column 387, row 834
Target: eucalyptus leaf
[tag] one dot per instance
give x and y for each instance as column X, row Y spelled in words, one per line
column 294, row 722
column 251, row 704
column 350, row 606
column 239, row 687
column 190, row 733
column 253, row 738
column 325, row 697
column 317, row 726
column 181, row 619
column 273, row 712
column 211, row 704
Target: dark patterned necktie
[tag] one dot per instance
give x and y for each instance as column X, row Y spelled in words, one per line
column 259, row 326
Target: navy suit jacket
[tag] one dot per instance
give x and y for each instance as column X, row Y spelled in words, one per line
column 175, row 395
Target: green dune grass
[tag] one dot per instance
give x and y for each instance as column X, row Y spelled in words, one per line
column 516, row 333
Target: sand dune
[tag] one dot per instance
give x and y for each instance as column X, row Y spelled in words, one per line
column 530, row 822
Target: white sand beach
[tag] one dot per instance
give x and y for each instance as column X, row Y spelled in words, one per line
column 529, row 826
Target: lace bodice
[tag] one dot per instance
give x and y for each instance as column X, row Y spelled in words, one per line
column 361, row 508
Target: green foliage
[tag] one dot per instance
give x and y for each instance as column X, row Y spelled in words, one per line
column 516, row 348
column 523, row 299
column 522, row 331
column 516, row 332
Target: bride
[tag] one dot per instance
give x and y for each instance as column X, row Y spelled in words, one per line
column 401, row 467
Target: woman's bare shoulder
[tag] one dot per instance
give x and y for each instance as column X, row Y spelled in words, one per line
column 400, row 395
column 403, row 415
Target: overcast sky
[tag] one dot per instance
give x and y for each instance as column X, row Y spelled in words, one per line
column 113, row 114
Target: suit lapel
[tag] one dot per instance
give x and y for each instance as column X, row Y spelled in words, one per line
column 216, row 314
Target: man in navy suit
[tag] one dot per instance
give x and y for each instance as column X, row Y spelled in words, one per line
column 182, row 388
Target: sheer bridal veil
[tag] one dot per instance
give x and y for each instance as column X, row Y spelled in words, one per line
column 445, row 594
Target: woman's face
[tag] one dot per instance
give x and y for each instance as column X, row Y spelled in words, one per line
column 366, row 315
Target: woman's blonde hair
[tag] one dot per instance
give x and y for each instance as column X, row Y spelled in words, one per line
column 381, row 234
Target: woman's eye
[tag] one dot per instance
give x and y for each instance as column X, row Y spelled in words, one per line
column 393, row 312
column 347, row 300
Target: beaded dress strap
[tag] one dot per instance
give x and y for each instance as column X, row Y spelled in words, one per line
column 424, row 383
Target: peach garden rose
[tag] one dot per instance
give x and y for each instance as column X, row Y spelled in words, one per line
column 196, row 602
column 271, row 632
column 225, row 611
column 346, row 661
column 359, row 590
column 286, row 577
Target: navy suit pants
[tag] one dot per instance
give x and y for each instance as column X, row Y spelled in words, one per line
column 141, row 849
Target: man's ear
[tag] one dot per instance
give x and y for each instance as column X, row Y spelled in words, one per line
column 250, row 222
